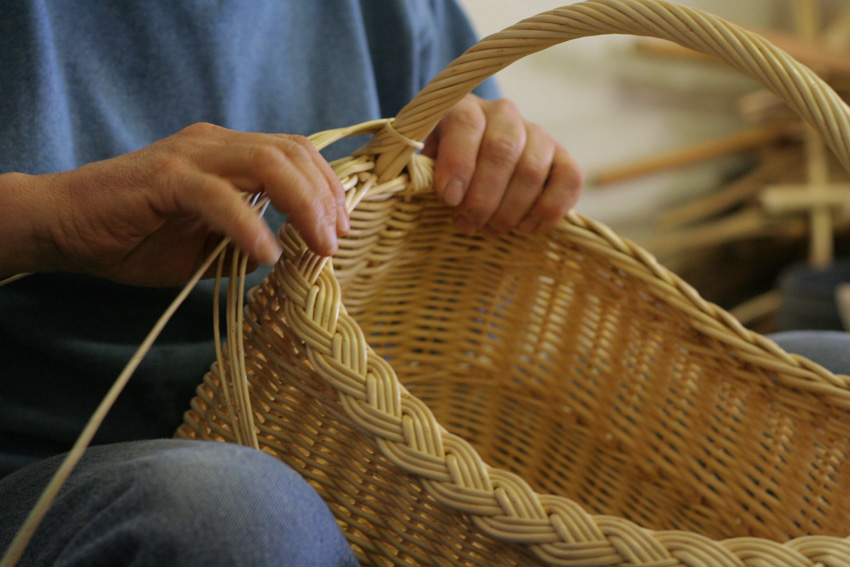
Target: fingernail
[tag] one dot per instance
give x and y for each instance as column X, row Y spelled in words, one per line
column 343, row 224
column 465, row 224
column 268, row 249
column 453, row 193
column 329, row 241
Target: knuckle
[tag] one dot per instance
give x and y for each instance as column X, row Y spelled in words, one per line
column 466, row 117
column 169, row 167
column 266, row 160
column 502, row 149
column 535, row 129
column 315, row 211
column 532, row 170
column 456, row 166
column 201, row 129
column 576, row 179
column 302, row 141
column 295, row 149
column 504, row 106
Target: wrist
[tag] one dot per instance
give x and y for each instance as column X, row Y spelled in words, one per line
column 25, row 232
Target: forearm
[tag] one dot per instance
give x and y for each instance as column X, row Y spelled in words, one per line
column 24, row 224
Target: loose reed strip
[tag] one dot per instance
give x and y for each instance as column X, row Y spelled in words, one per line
column 13, row 278
column 244, row 419
column 757, row 307
column 821, row 249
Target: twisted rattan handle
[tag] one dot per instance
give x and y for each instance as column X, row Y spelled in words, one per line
column 747, row 52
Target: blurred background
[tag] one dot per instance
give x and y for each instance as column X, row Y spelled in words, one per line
column 696, row 162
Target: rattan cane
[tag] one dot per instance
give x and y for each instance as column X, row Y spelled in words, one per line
column 536, row 399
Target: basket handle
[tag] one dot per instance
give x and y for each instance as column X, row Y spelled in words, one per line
column 796, row 84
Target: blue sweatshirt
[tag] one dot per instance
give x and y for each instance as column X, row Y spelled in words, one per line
column 85, row 80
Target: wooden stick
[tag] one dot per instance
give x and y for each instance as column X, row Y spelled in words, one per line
column 794, row 198
column 760, row 306
column 750, row 223
column 14, row 278
column 820, row 217
column 746, row 139
column 821, row 244
column 774, row 166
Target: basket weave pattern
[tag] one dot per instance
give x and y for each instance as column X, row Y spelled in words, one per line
column 553, row 399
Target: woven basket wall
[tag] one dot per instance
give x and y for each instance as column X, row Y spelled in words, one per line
column 548, row 399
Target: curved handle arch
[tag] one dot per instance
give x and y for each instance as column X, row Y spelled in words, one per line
column 800, row 88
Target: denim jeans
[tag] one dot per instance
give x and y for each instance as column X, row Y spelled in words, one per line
column 830, row 349
column 175, row 503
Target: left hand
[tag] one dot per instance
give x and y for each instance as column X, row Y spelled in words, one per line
column 499, row 171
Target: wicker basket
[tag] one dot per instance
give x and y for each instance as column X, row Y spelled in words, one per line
column 546, row 399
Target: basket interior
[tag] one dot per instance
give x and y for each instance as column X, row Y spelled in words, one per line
column 564, row 362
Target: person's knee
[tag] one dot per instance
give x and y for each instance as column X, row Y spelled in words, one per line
column 830, row 349
column 242, row 502
column 188, row 503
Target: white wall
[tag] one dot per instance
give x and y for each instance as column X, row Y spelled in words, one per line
column 609, row 105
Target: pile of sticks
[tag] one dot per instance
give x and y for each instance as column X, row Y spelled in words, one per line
column 791, row 204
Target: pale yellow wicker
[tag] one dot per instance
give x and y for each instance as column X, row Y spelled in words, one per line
column 550, row 399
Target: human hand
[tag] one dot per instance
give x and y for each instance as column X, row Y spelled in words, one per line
column 152, row 216
column 499, row 171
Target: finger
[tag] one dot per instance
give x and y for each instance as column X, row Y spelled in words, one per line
column 560, row 194
column 432, row 142
column 298, row 184
column 216, row 201
column 527, row 182
column 501, row 148
column 457, row 139
column 237, row 155
column 333, row 183
column 303, row 193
